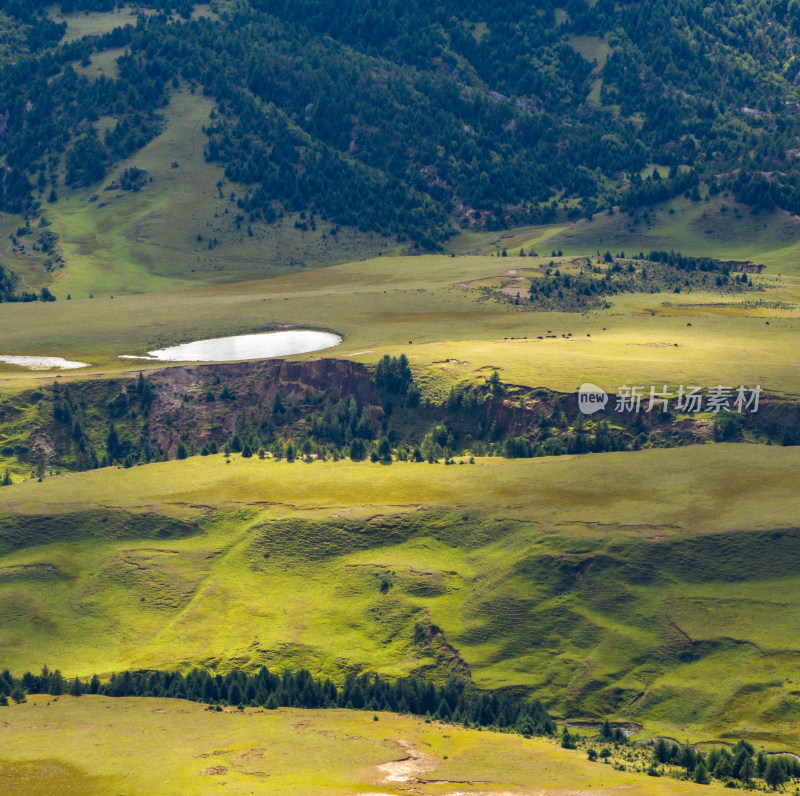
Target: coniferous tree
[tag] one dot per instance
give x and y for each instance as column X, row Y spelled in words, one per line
column 700, row 775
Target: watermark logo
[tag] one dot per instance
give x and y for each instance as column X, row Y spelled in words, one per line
column 685, row 400
column 689, row 400
column 591, row 398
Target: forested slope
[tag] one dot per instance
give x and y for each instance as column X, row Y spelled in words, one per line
column 412, row 119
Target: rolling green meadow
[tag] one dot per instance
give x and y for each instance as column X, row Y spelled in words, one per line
column 423, row 308
column 652, row 599
column 655, row 586
column 285, row 751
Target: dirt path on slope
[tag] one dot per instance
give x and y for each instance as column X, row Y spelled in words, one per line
column 408, row 769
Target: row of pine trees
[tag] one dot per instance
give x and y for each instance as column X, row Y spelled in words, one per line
column 454, row 701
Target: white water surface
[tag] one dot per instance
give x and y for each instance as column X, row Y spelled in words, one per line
column 245, row 346
column 42, row 363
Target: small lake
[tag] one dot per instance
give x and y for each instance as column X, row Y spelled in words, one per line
column 245, row 346
column 42, row 363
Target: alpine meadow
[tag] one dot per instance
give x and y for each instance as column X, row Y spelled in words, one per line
column 399, row 397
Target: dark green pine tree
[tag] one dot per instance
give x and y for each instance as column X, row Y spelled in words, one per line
column 235, row 695
column 701, row 774
column 112, row 443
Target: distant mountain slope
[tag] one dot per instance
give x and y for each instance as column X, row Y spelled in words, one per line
column 412, row 119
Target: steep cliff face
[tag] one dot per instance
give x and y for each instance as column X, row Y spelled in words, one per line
column 264, row 378
column 182, row 405
column 71, row 425
column 324, row 405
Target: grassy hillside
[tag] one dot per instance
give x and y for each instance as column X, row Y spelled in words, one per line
column 720, row 227
column 663, row 599
column 182, row 227
column 284, row 751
